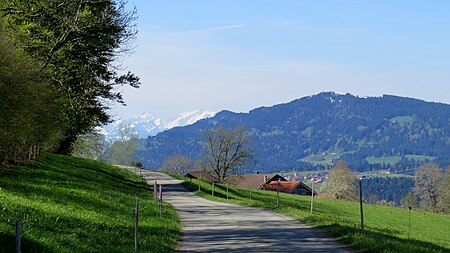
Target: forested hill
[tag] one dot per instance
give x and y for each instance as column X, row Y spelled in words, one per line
column 313, row 132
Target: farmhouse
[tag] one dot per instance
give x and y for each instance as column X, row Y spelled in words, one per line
column 288, row 187
column 203, row 175
column 254, row 181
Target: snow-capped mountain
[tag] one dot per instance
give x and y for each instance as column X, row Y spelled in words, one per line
column 148, row 124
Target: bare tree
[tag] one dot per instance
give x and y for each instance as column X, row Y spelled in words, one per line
column 340, row 182
column 426, row 187
column 226, row 149
column 178, row 164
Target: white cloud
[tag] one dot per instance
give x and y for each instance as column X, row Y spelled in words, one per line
column 211, row 29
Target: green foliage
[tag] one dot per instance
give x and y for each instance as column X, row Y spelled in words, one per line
column 90, row 146
column 30, row 116
column 78, row 205
column 386, row 228
column 122, row 151
column 77, row 43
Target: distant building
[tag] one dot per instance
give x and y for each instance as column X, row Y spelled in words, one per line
column 254, row 181
column 203, row 175
column 298, row 188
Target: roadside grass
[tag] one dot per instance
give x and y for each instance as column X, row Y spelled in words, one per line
column 77, row 205
column 386, row 228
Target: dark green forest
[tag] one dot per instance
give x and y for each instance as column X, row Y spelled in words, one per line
column 388, row 132
column 58, row 72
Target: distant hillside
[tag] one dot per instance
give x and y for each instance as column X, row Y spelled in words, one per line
column 313, row 132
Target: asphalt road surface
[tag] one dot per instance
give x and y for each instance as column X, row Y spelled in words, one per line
column 209, row 226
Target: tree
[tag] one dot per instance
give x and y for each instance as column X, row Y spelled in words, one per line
column 90, row 146
column 30, row 119
column 226, row 150
column 444, row 190
column 178, row 164
column 123, row 150
column 409, row 200
column 426, row 187
column 77, row 43
column 340, row 182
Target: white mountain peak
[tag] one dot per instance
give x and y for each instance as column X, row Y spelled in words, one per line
column 148, row 124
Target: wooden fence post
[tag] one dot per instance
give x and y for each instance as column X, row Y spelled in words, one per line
column 361, row 204
column 312, row 196
column 227, row 191
column 160, row 202
column 136, row 230
column 155, row 191
column 18, row 236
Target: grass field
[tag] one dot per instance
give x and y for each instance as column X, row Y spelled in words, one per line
column 391, row 160
column 77, row 205
column 386, row 228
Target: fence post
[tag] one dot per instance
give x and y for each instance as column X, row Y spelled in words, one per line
column 278, row 194
column 312, row 196
column 212, row 189
column 361, row 204
column 227, row 191
column 18, row 236
column 160, row 201
column 136, row 230
column 155, row 191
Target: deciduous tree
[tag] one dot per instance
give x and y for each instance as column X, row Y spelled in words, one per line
column 225, row 150
column 78, row 43
column 340, row 182
column 30, row 116
column 178, row 164
column 426, row 188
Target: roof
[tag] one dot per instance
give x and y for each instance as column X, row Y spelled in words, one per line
column 254, row 181
column 205, row 175
column 285, row 186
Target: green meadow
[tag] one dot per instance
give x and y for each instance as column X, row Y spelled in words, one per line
column 77, row 205
column 387, row 229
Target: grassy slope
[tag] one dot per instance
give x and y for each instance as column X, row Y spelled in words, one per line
column 77, row 205
column 386, row 228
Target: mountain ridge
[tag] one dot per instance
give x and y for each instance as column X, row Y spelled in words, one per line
column 387, row 132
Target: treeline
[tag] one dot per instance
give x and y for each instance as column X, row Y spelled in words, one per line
column 58, row 73
column 430, row 190
column 96, row 146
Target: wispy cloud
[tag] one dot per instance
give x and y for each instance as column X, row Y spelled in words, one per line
column 212, row 29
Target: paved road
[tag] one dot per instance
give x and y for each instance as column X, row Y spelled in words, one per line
column 210, row 226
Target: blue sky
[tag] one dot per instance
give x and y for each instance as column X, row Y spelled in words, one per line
column 238, row 55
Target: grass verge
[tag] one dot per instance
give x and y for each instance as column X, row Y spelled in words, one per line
column 77, row 205
column 386, row 228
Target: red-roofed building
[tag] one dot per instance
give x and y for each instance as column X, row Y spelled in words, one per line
column 203, row 175
column 254, row 181
column 290, row 187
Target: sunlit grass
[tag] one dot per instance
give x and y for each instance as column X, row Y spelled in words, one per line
column 386, row 228
column 77, row 205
